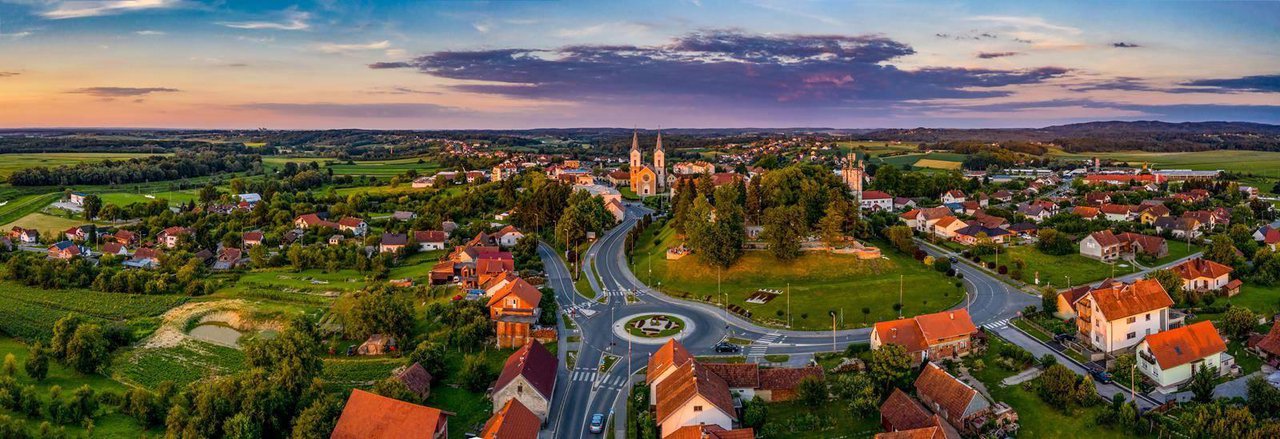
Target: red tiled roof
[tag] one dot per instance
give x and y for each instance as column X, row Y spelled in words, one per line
column 737, row 375
column 787, row 378
column 1116, row 209
column 370, row 416
column 1085, row 211
column 1200, row 267
column 350, row 221
column 513, row 421
column 915, row 433
column 710, row 431
column 1105, row 238
column 535, row 364
column 421, row 236
column 903, row 332
column 1271, row 342
column 686, row 382
column 252, row 236
column 945, row 391
column 945, row 324
column 1118, row 300
column 671, row 354
column 1180, row 346
column 522, row 289
column 876, row 195
column 903, row 413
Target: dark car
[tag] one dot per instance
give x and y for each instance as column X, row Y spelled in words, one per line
column 1063, row 338
column 727, row 348
column 597, row 423
column 1100, row 375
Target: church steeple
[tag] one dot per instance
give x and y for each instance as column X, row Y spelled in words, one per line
column 636, row 160
column 659, row 147
column 660, row 161
column 635, row 140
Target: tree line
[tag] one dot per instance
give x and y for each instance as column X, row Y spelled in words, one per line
column 136, row 170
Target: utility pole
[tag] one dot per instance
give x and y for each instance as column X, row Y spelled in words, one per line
column 833, row 331
column 788, row 305
column 900, row 296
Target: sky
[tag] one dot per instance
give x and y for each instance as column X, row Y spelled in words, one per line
column 693, row 63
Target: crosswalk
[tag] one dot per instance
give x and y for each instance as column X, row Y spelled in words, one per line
column 584, row 375
column 591, row 376
column 998, row 324
column 761, row 345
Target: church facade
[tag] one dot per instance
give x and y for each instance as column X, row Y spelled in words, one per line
column 648, row 180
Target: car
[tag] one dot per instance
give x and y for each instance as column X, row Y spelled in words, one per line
column 727, row 348
column 952, row 259
column 597, row 423
column 1100, row 375
column 1063, row 338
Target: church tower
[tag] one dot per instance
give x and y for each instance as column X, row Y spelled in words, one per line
column 660, row 162
column 852, row 174
column 636, row 159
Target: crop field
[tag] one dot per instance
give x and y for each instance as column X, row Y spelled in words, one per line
column 29, row 312
column 13, row 162
column 45, row 223
column 376, row 168
column 935, row 160
column 1266, row 163
column 346, row 373
column 937, row 164
column 877, row 148
column 23, row 205
column 189, row 361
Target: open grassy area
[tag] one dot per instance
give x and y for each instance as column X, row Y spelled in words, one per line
column 933, row 160
column 13, row 162
column 1259, row 298
column 875, row 148
column 1055, row 269
column 126, row 198
column 1177, row 250
column 1257, row 162
column 24, row 205
column 45, row 223
column 29, row 313
column 835, row 421
column 376, row 168
column 819, row 282
column 189, row 361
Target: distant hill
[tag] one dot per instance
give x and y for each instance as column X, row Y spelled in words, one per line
column 1110, row 136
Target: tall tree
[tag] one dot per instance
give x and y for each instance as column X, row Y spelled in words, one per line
column 832, row 226
column 92, row 206
column 784, row 229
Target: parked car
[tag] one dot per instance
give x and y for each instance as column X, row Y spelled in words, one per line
column 1063, row 338
column 1100, row 375
column 727, row 348
column 597, row 423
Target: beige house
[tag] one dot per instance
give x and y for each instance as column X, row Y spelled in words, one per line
column 1117, row 316
column 528, row 376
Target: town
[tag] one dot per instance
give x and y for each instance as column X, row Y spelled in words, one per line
column 790, row 286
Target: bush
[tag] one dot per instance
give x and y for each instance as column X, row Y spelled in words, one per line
column 991, row 265
column 1003, row 269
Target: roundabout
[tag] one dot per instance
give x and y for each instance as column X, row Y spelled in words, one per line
column 653, row 327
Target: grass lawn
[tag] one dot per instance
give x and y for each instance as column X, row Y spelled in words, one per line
column 1055, row 269
column 376, row 168
column 126, row 198
column 936, row 160
column 23, row 205
column 835, row 421
column 819, row 282
column 1248, row 362
column 876, row 148
column 47, row 224
column 1037, row 418
column 107, row 425
column 1265, row 163
column 13, row 162
column 1259, row 298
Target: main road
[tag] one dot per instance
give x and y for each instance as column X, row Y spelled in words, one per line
column 585, row 389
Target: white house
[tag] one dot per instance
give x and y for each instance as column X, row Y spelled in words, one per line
column 876, row 200
column 77, row 198
column 509, row 236
column 693, row 395
column 428, row 240
column 953, row 196
column 947, row 227
column 1118, row 316
column 1201, row 274
column 1170, row 357
column 354, row 225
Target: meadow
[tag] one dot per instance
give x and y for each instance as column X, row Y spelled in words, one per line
column 932, row 160
column 375, row 168
column 13, row 162
column 23, row 205
column 30, row 312
column 47, row 224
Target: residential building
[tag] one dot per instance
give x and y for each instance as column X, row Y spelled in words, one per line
column 512, row 421
column 1117, row 212
column 392, row 242
column 692, row 395
column 952, row 196
column 946, row 334
column 1116, row 315
column 77, row 198
column 1170, row 357
column 25, row 236
column 1107, row 246
column 947, row 227
column 371, row 416
column 508, row 236
column 949, row 398
column 1201, row 274
column 662, row 363
column 904, row 418
column 313, row 220
column 514, row 309
column 251, row 239
column 970, row 235
column 145, row 257
column 710, row 432
column 1266, row 235
column 924, row 219
column 429, row 240
column 876, row 200
column 529, row 376
column 228, row 258
column 354, row 225
column 1086, row 212
column 67, row 250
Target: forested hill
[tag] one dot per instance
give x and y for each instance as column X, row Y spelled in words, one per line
column 1110, row 136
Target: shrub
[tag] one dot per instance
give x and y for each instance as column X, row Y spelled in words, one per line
column 1003, row 269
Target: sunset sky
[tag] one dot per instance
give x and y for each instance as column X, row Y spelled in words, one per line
column 708, row 63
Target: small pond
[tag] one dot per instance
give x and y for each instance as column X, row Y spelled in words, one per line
column 217, row 333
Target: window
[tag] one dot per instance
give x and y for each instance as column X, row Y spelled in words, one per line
column 1131, row 320
column 520, row 388
column 1148, row 317
column 1131, row 336
column 697, row 408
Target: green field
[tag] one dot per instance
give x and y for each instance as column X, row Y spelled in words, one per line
column 30, row 312
column 876, row 148
column 933, row 160
column 819, row 282
column 376, row 168
column 14, row 162
column 48, row 225
column 1054, row 270
column 126, row 198
column 189, row 361
column 1258, row 162
column 23, row 205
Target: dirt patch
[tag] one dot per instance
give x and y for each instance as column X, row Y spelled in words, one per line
column 174, row 323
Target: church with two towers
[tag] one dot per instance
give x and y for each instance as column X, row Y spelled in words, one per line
column 647, row 180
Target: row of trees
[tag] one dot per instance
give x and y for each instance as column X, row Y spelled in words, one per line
column 136, row 170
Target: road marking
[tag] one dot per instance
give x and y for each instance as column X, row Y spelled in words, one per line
column 761, row 346
column 997, row 324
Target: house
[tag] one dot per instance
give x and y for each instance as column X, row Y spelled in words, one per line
column 1024, row 229
column 145, row 257
column 900, row 203
column 946, row 227
column 1170, row 357
column 1265, row 234
column 710, row 432
column 952, row 196
column 692, row 395
column 1117, row 212
column 1034, row 212
column 512, row 421
column 1149, row 213
column 1067, row 299
column 336, row 239
column 876, row 200
column 1268, row 347
column 112, row 248
column 125, row 238
column 986, row 220
column 354, row 225
column 1086, row 212
column 514, row 309
column 924, row 219
column 25, row 236
column 377, row 344
column 1179, row 227
column 616, row 209
column 78, row 233
column 251, row 239
column 1116, row 315
column 508, row 236
column 904, row 418
column 228, row 258
column 970, row 207
column 1123, row 179
column 529, row 375
column 1097, row 198
column 1107, row 246
column 1002, row 196
column 423, row 182
column 371, row 416
column 252, row 199
column 171, row 236
column 970, row 235
column 392, row 242
column 401, row 215
column 416, row 379
column 939, row 335
column 67, row 250
column 1201, row 274
column 313, row 220
column 619, row 178
column 779, row 384
column 77, row 198
column 662, row 363
column 957, row 403
column 428, row 240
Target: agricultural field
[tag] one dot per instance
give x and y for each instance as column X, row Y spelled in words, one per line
column 183, row 364
column 126, row 198
column 22, row 205
column 819, row 282
column 30, row 312
column 933, row 160
column 375, row 168
column 47, row 224
column 13, row 162
column 877, row 148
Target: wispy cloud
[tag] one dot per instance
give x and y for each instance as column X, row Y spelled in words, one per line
column 624, row 28
column 1124, row 45
column 402, row 91
column 293, row 20
column 95, row 8
column 8, row 74
column 150, row 33
column 346, row 48
column 482, row 26
column 990, row 55
column 16, row 35
column 390, row 65
column 122, row 92
column 1256, row 83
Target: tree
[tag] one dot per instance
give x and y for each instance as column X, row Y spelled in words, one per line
column 1238, row 322
column 858, row 391
column 1171, row 282
column 37, row 365
column 380, row 310
column 1048, row 300
column 831, row 227
column 1054, row 242
column 431, row 356
column 1058, row 386
column 1123, row 371
column 87, row 349
column 63, row 329
column 475, row 374
column 784, row 228
column 1201, row 384
column 1264, row 399
column 812, row 391
column 318, row 419
column 10, row 368
column 1222, row 250
column 393, row 388
column 755, row 413
column 901, row 238
column 890, row 367
column 92, row 206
